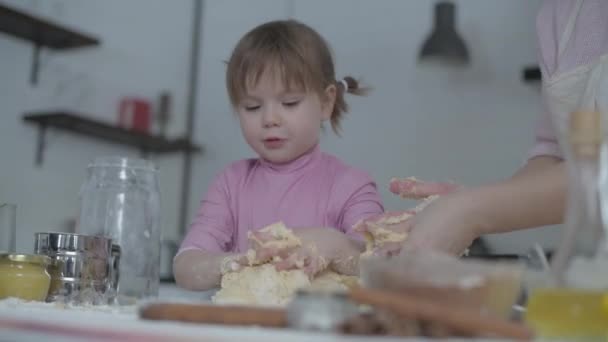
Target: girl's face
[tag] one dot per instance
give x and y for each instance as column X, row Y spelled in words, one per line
column 280, row 124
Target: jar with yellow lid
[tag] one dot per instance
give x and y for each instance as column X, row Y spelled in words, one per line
column 24, row 276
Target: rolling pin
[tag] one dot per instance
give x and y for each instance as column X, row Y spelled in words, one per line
column 467, row 321
column 216, row 314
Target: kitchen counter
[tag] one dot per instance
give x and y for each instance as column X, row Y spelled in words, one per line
column 21, row 321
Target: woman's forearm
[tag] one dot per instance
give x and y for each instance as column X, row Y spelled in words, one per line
column 535, row 196
column 198, row 270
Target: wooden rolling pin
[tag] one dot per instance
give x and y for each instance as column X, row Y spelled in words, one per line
column 466, row 321
column 463, row 320
column 216, row 314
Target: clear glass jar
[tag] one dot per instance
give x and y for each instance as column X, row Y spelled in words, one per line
column 24, row 276
column 583, row 246
column 8, row 214
column 574, row 303
column 120, row 199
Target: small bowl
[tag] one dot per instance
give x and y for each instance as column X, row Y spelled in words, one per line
column 24, row 276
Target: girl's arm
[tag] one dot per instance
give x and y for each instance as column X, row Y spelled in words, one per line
column 198, row 270
column 197, row 265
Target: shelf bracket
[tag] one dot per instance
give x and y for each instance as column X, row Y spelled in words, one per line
column 41, row 144
column 35, row 65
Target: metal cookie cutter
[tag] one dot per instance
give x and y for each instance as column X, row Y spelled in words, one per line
column 320, row 310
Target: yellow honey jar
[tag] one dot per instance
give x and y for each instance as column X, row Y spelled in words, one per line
column 24, row 276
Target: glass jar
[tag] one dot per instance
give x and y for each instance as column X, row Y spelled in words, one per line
column 583, row 246
column 574, row 303
column 120, row 199
column 24, row 276
column 8, row 214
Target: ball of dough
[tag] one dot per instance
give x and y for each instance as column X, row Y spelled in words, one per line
column 265, row 286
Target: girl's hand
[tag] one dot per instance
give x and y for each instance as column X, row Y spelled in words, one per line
column 309, row 249
column 272, row 243
column 323, row 248
column 269, row 244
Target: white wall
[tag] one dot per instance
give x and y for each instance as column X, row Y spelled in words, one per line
column 472, row 127
column 144, row 51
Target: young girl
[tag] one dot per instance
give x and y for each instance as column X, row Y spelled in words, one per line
column 282, row 83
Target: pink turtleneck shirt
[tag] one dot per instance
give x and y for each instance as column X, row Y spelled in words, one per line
column 315, row 190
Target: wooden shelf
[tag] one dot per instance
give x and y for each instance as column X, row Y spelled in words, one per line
column 82, row 125
column 42, row 33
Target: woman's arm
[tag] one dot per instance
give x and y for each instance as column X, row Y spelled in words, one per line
column 533, row 197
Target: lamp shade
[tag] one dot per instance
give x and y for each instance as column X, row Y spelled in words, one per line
column 444, row 44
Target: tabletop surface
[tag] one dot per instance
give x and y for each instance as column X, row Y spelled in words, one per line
column 49, row 322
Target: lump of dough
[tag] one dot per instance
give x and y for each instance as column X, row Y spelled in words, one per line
column 260, row 285
column 283, row 236
column 332, row 281
column 265, row 286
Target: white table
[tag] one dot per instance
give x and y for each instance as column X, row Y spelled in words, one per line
column 49, row 323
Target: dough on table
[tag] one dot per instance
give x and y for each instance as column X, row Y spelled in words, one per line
column 264, row 285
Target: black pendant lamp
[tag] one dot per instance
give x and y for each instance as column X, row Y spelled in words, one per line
column 444, row 43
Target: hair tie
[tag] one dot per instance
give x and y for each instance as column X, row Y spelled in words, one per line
column 344, row 83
